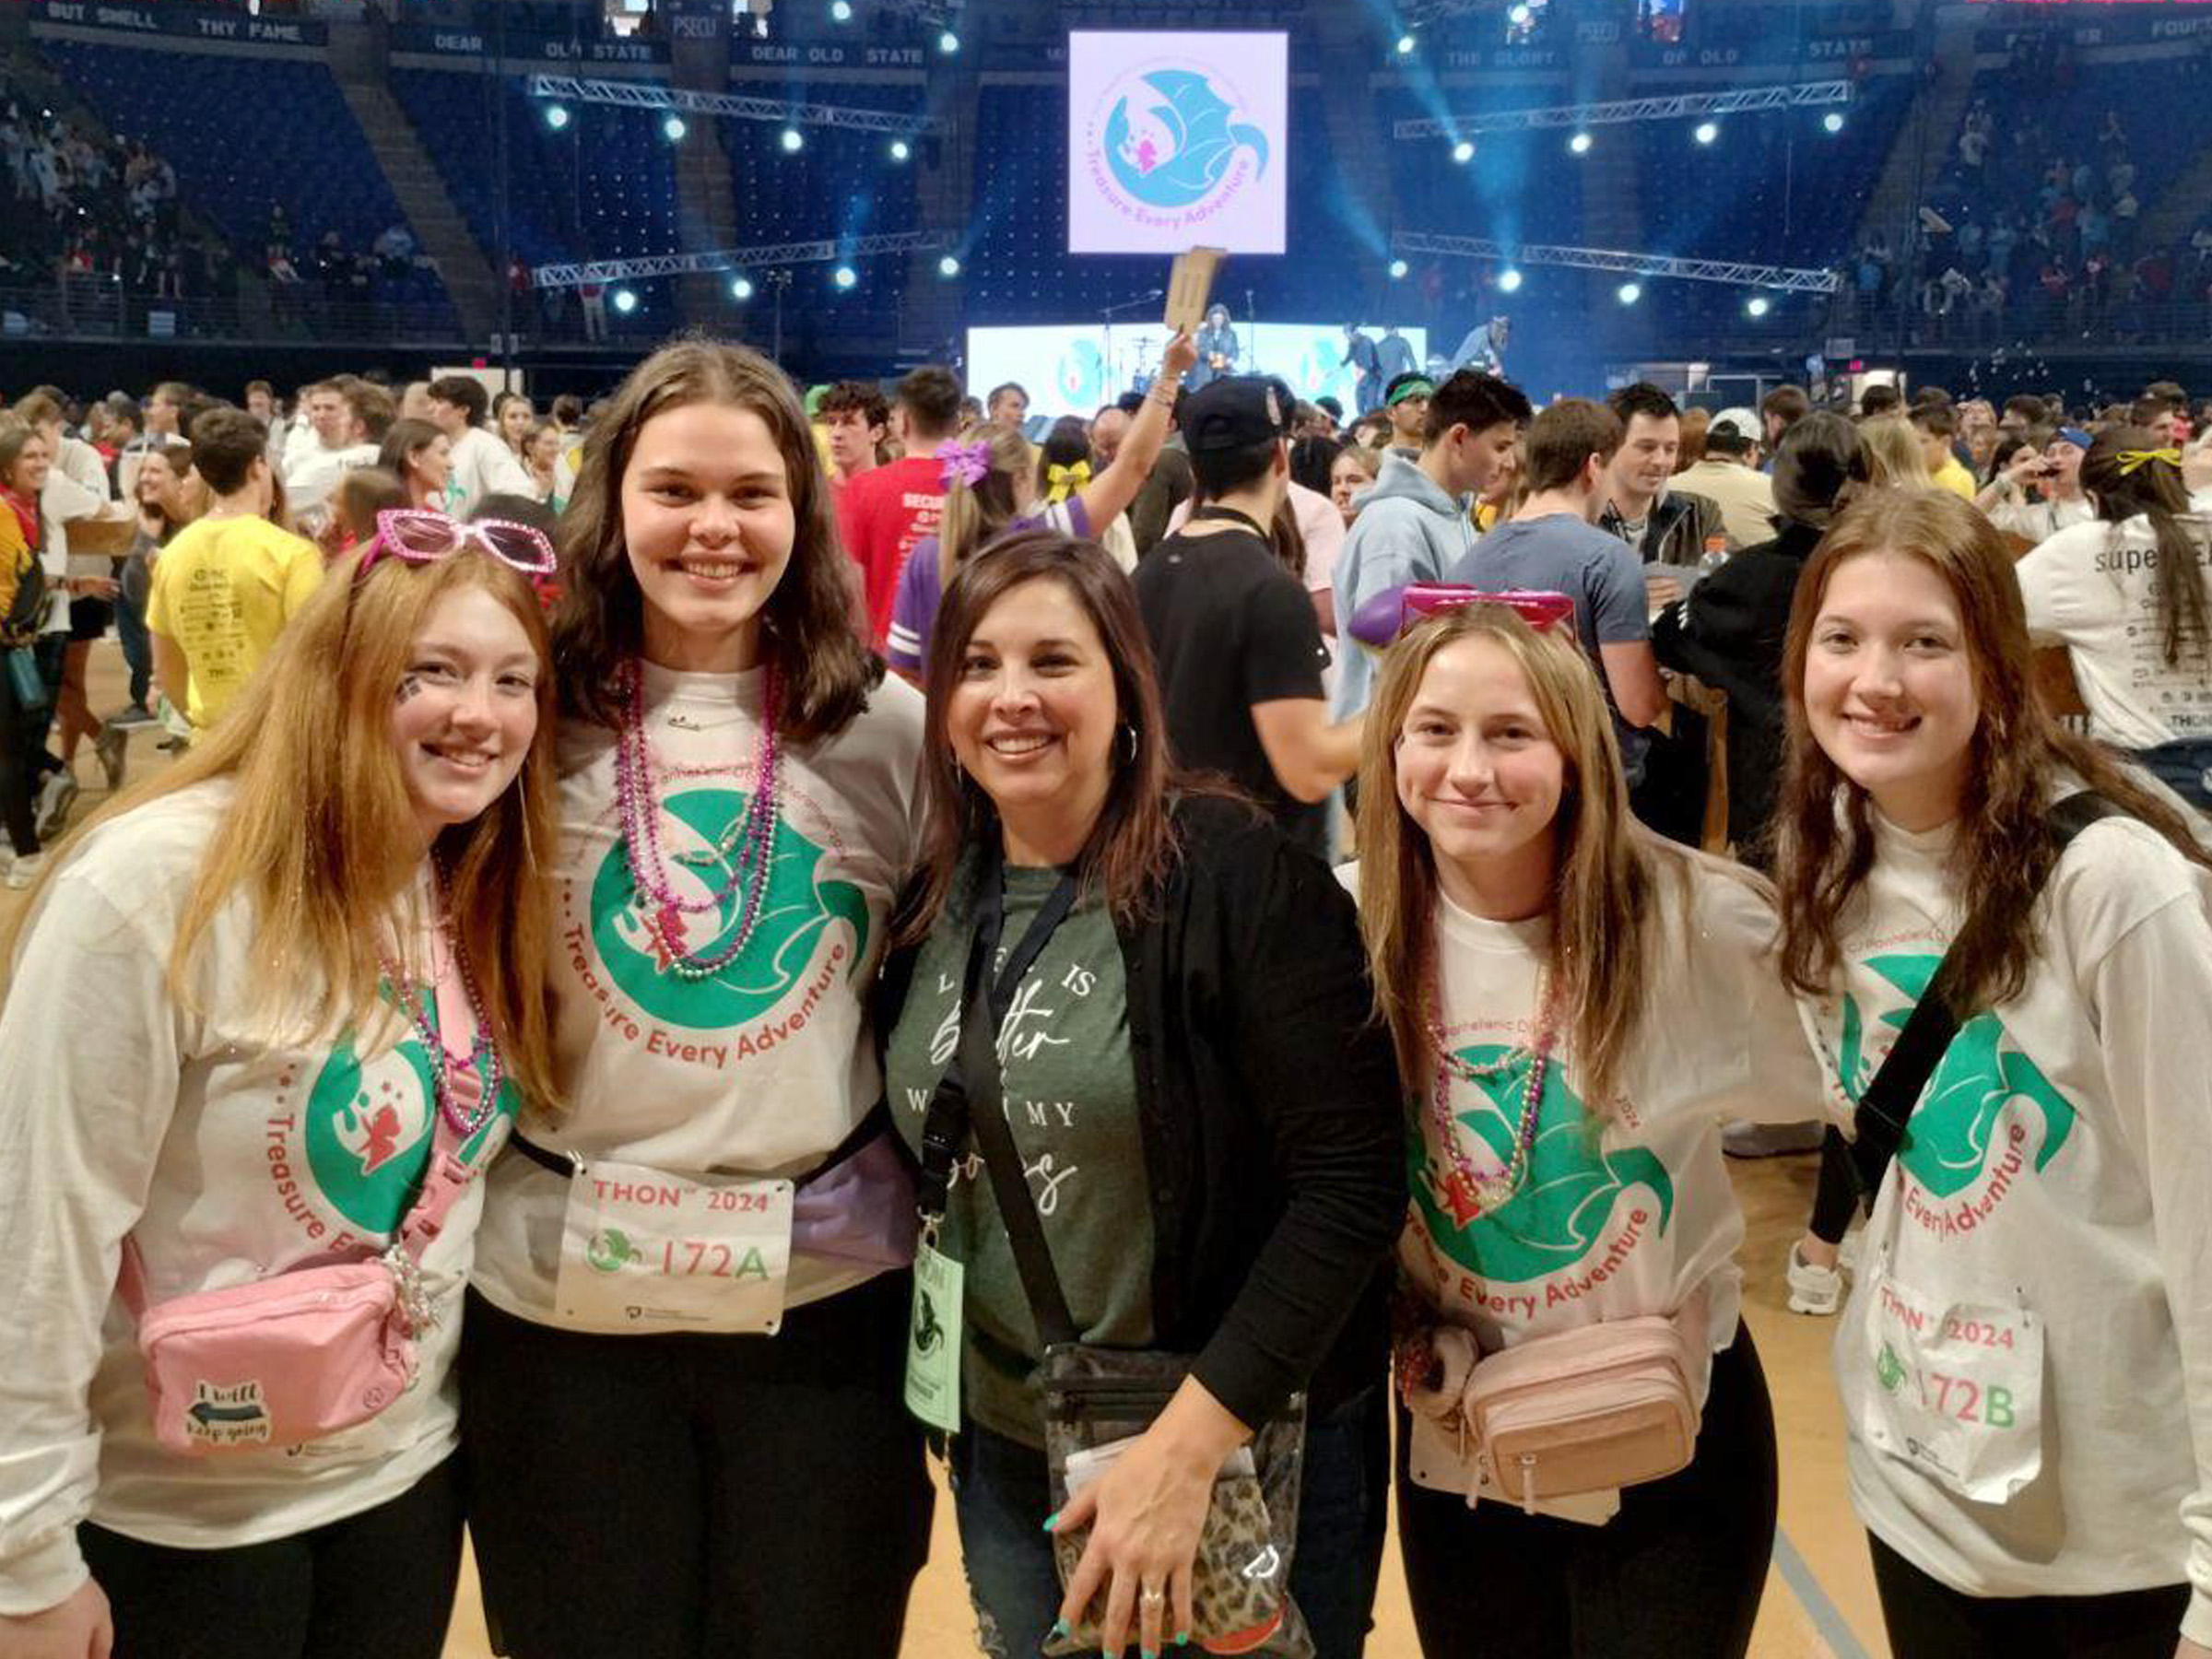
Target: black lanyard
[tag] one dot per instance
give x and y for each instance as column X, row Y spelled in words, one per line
column 1245, row 518
column 944, row 1129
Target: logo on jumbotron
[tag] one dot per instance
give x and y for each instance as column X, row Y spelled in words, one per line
column 1164, row 147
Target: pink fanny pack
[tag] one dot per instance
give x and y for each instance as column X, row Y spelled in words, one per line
column 305, row 1354
column 1605, row 1406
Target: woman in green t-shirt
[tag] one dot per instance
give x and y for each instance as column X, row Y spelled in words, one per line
column 1208, row 1121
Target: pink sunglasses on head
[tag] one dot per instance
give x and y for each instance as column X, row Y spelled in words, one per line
column 420, row 536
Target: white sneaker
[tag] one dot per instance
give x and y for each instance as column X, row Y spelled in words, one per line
column 22, row 872
column 1847, row 1252
column 1816, row 1290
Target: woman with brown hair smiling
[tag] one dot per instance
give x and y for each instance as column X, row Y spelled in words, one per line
column 1209, row 1128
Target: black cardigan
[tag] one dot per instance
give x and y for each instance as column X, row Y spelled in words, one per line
column 1729, row 633
column 1273, row 1121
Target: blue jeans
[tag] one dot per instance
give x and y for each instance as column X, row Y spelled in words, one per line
column 1001, row 1495
column 130, row 630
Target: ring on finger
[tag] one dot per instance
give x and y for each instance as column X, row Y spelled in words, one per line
column 1152, row 1595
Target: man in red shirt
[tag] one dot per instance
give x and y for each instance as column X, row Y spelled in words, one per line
column 881, row 514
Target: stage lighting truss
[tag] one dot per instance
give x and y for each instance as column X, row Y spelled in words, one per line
column 635, row 95
column 1780, row 279
column 1806, row 95
column 732, row 259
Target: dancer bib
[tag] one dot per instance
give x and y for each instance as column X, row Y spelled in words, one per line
column 645, row 1250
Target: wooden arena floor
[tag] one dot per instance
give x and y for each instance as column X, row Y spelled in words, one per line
column 1819, row 1601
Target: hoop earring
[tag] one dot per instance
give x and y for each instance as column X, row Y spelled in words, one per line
column 1129, row 745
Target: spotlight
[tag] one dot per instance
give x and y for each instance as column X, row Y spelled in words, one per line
column 1758, row 306
column 948, row 42
column 1398, row 269
column 1509, row 281
column 1580, row 144
column 900, row 149
column 793, row 141
column 1406, row 45
column 626, row 301
column 844, row 277
column 1463, row 152
column 741, row 288
column 1832, row 123
column 674, row 129
column 949, row 266
column 1707, row 132
column 1629, row 293
column 556, row 116
column 841, row 11
column 1519, row 16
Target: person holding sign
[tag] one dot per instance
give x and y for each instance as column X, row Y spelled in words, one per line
column 1168, row 1149
column 683, row 1361
column 2002, row 940
column 1574, row 1233
column 267, row 1019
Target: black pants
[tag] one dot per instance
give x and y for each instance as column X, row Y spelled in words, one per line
column 376, row 1585
column 1678, row 1571
column 676, row 1496
column 22, row 736
column 1836, row 1199
column 1930, row 1620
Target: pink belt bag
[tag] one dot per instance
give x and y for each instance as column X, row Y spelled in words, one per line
column 1608, row 1406
column 305, row 1354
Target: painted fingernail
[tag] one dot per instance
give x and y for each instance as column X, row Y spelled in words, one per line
column 1148, row 1653
column 1060, row 1626
column 1052, row 1520
column 1182, row 1638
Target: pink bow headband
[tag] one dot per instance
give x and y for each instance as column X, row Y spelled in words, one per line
column 968, row 464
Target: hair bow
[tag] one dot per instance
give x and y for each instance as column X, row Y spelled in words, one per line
column 968, row 464
column 2132, row 459
column 1064, row 481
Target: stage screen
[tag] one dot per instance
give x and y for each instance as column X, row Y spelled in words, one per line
column 1176, row 140
column 1074, row 367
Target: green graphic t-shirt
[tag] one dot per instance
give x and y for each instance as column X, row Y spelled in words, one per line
column 1070, row 1095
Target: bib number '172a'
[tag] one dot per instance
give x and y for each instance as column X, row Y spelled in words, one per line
column 644, row 1251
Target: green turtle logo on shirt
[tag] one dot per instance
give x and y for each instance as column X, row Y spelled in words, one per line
column 1949, row 1140
column 698, row 842
column 1566, row 1195
column 368, row 1131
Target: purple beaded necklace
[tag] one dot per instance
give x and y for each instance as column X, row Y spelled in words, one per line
column 755, row 832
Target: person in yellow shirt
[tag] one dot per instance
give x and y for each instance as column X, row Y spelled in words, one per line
column 1937, row 427
column 226, row 585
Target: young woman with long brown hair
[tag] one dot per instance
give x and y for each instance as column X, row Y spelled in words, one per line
column 1578, row 1006
column 702, row 1396
column 2131, row 598
column 313, row 956
column 2026, row 1360
column 1219, row 1175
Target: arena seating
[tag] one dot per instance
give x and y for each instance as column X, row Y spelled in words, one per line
column 244, row 135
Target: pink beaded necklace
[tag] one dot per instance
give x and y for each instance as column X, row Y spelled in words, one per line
column 755, row 833
column 480, row 1071
column 1475, row 1191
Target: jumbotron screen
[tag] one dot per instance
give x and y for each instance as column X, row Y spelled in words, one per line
column 1177, row 140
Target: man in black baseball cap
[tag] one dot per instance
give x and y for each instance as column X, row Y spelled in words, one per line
column 1238, row 644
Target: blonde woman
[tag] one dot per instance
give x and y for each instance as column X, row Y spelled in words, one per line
column 991, row 485
column 1894, row 457
column 1566, row 1151
column 314, row 954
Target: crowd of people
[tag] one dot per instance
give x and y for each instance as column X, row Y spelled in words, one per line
column 1197, row 963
